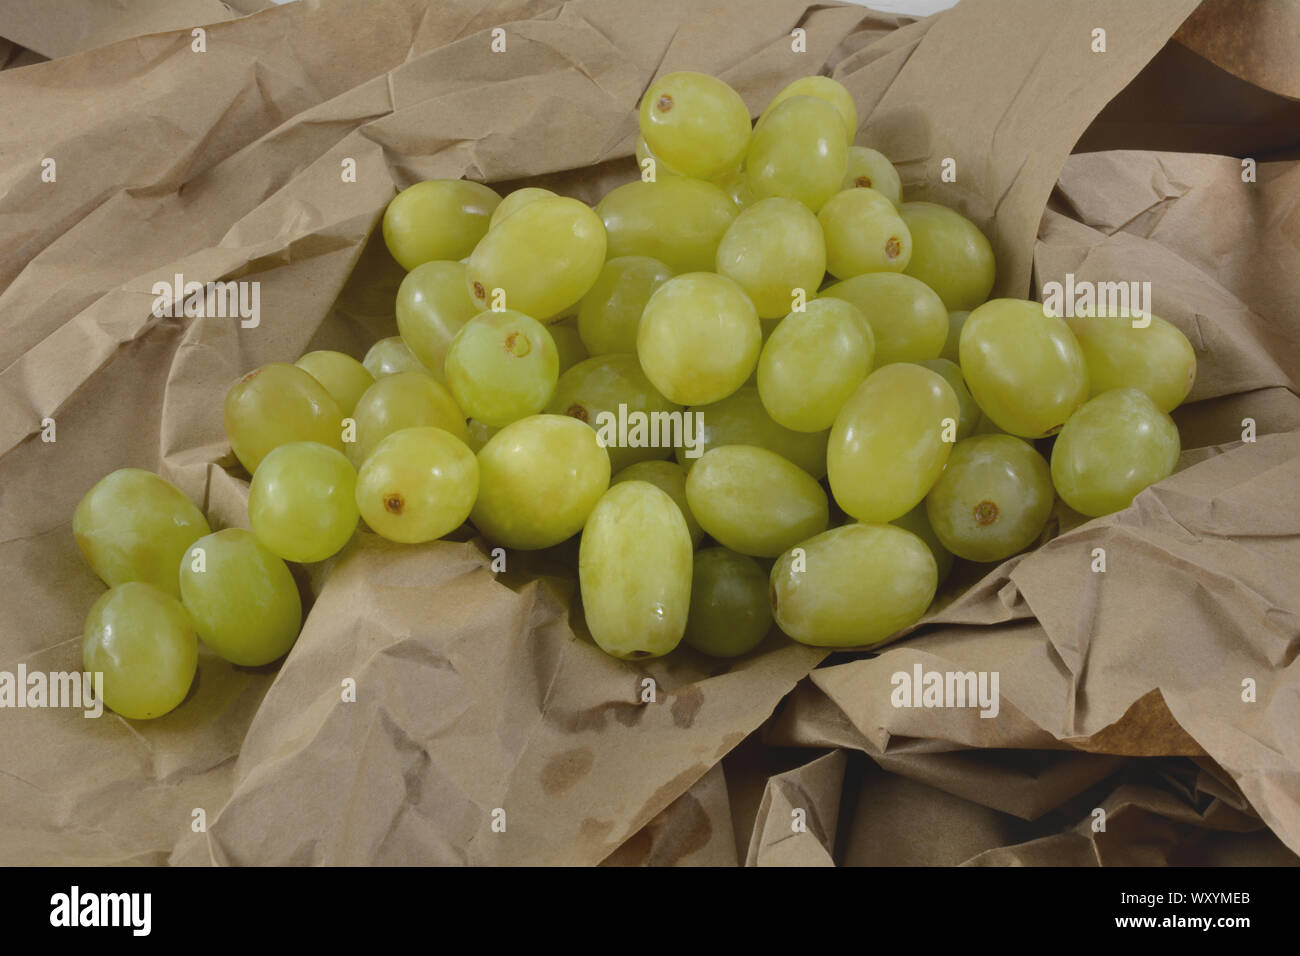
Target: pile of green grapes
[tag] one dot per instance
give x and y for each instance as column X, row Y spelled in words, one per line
column 865, row 414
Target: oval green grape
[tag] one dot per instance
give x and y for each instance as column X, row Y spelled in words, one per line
column 1153, row 356
column 502, row 366
column 610, row 313
column 670, row 478
column 871, row 169
column 907, row 318
column 403, row 400
column 741, row 419
column 864, row 233
column 342, row 376
column 302, row 502
column 799, row 151
column 695, row 122
column 437, row 219
column 949, row 254
column 277, row 404
column 433, row 304
column 823, row 88
column 677, row 220
column 418, row 485
column 774, row 250
column 730, row 611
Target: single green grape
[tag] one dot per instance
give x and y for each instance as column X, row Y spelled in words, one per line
column 813, row 361
column 433, row 304
column 949, row 254
column 992, row 500
column 242, row 598
column 871, row 169
column 1114, row 446
column 437, row 219
column 677, row 220
column 1154, row 357
column 741, row 419
column 541, row 259
column 143, row 642
column 403, row 400
column 134, row 526
column 823, row 88
column 302, row 502
column 1023, row 366
column 696, row 123
column 517, row 200
column 699, row 338
column 864, row 233
column 754, row 501
column 390, row 356
column 634, row 572
column 799, row 151
column 341, row 375
column 502, row 366
column 539, row 478
column 773, row 248
column 906, row 316
column 918, row 522
column 730, row 613
column 610, row 313
column 950, row 346
column 277, row 404
column 670, row 478
column 417, row 485
column 887, row 447
column 853, row 586
column 969, row 415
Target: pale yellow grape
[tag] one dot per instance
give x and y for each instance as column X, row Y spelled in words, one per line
column 887, row 447
column 343, row 377
column 277, row 404
column 418, row 485
column 1113, row 447
column 970, row 411
column 699, row 338
column 502, row 366
column 918, row 522
column 670, row 478
column 433, row 304
column 730, row 609
column 1024, row 367
column 871, row 169
column 610, row 313
column 437, row 219
column 824, row 88
column 302, row 502
column 771, row 249
column 853, row 586
column 543, row 258
column 907, row 318
column 143, row 642
column 516, row 200
column 864, row 233
column 390, row 356
column 634, row 571
column 800, row 152
column 403, row 400
column 568, row 345
column 741, row 419
column 134, row 526
column 696, row 123
column 949, row 254
column 754, row 501
column 812, row 362
column 539, row 478
column 950, row 346
column 676, row 220
column 1156, row 358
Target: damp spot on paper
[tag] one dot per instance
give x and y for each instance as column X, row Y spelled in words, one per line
column 595, row 718
column 686, row 704
column 565, row 769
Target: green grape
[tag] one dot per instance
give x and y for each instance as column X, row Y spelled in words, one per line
column 277, row 404
column 568, row 346
column 134, row 526
column 518, row 200
column 799, row 152
column 404, row 400
column 918, row 522
column 1111, row 448
column 864, row 233
column 342, row 376
column 433, row 304
column 634, row 571
column 871, row 169
column 823, row 88
column 670, row 478
column 676, row 220
column 813, row 362
column 950, row 346
column 302, row 502
column 437, row 219
column 417, row 485
column 390, row 356
column 1023, row 366
column 853, row 586
column 502, row 366
column 478, row 435
column 696, row 123
column 593, row 391
column 610, row 312
column 887, row 448
column 754, row 501
column 736, row 186
column 143, row 642
column 771, row 249
column 740, row 419
column 949, row 254
column 699, row 338
column 992, row 500
column 969, row 415
column 543, row 258
column 908, row 319
column 539, row 478
column 1156, row 358
column 242, row 598
column 730, row 613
